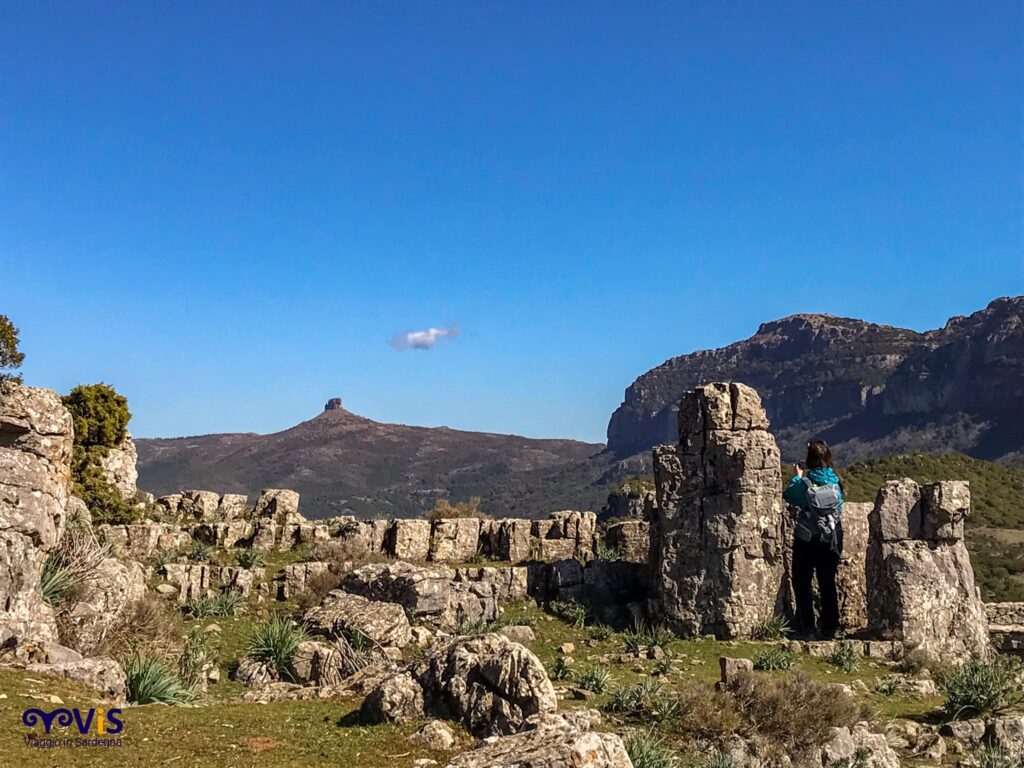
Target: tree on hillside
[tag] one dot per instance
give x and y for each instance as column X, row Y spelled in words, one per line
column 100, row 416
column 10, row 357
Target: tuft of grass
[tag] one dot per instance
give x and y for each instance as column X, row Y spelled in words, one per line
column 224, row 604
column 773, row 628
column 665, row 709
column 276, row 641
column 150, row 681
column 163, row 558
column 914, row 661
column 774, row 659
column 722, row 760
column 573, row 613
column 995, row 757
column 55, row 581
column 648, row 750
column 560, row 670
column 980, row 687
column 194, row 657
column 605, row 551
column 636, row 699
column 199, row 552
column 844, row 656
column 889, row 685
column 249, row 558
column 600, row 632
column 644, row 635
column 593, row 678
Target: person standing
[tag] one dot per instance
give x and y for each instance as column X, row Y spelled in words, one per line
column 817, row 491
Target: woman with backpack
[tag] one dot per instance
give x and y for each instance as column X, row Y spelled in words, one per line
column 818, row 542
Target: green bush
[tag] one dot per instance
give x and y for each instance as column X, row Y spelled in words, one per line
column 637, row 700
column 774, row 659
column 995, row 757
column 592, row 678
column 981, row 687
column 194, row 658
column 572, row 612
column 248, row 558
column 104, row 500
column 647, row 750
column 560, row 670
column 275, row 641
column 55, row 581
column 200, row 552
column 150, row 681
column 224, row 604
column 844, row 656
column 100, row 415
column 722, row 760
column 773, row 628
column 889, row 685
column 644, row 635
column 10, row 357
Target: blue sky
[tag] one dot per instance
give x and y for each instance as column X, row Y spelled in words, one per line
column 229, row 211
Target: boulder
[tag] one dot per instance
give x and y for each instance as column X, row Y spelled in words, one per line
column 295, row 578
column 199, row 506
column 408, row 540
column 119, row 467
column 101, row 601
column 486, row 682
column 550, row 741
column 719, row 561
column 631, row 539
column 846, row 743
column 920, row 583
column 434, row 595
column 344, row 615
column 455, row 540
column 253, row 673
column 318, row 663
column 102, row 674
column 437, row 736
column 35, row 483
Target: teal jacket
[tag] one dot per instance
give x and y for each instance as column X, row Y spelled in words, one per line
column 796, row 494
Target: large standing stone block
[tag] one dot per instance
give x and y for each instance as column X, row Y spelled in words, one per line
column 35, row 480
column 408, row 540
column 718, row 526
column 920, row 584
column 454, row 541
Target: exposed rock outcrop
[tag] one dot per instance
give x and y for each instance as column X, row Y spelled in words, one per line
column 920, row 584
column 551, row 741
column 344, row 615
column 119, row 467
column 35, row 478
column 719, row 561
column 486, row 682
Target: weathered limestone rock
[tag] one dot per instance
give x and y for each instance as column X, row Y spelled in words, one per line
column 488, row 683
column 629, row 503
column 344, row 615
column 171, row 504
column 631, row 539
column 195, row 580
column 920, row 584
column 846, row 742
column 224, row 535
column 101, row 601
column 199, row 506
column 719, row 563
column 35, row 480
column 295, row 578
column 509, row 584
column 550, row 741
column 143, row 539
column 434, row 595
column 101, row 673
column 318, row 663
column 436, row 735
column 232, row 506
column 277, row 520
column 454, row 541
column 408, row 540
column 255, row 674
column 119, row 467
column 508, row 540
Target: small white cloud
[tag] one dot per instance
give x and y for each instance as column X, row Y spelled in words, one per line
column 423, row 339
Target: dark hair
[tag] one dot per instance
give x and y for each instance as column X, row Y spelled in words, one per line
column 818, row 455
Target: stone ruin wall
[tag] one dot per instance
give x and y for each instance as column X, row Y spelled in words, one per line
column 718, row 563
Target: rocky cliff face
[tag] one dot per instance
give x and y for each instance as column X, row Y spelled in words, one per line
column 868, row 389
column 35, row 480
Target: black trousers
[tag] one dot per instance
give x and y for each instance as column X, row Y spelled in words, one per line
column 810, row 559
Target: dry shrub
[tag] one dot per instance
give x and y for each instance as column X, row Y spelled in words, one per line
column 316, row 590
column 445, row 510
column 145, row 626
column 784, row 716
column 792, row 713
